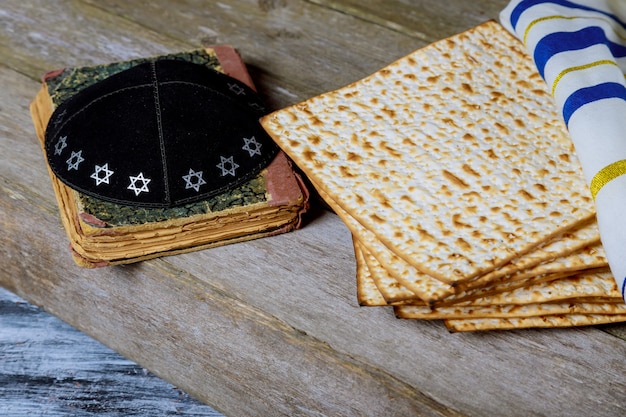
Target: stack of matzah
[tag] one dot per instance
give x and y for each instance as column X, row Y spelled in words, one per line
column 457, row 178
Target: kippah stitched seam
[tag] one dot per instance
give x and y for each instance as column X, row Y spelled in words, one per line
column 157, row 106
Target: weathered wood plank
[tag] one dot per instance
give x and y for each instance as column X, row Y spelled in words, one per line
column 17, row 139
column 229, row 354
column 617, row 330
column 294, row 49
column 428, row 20
column 49, row 368
column 445, row 367
column 269, row 327
column 38, row 36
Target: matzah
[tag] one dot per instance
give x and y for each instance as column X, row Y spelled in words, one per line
column 367, row 292
column 597, row 285
column 390, row 289
column 422, row 285
column 558, row 320
column 440, row 134
column 509, row 311
column 398, row 282
column 580, row 247
column 457, row 178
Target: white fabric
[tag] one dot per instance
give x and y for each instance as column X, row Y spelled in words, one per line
column 586, row 74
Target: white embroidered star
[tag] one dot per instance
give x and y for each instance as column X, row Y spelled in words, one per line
column 107, row 174
column 228, row 166
column 255, row 149
column 195, row 185
column 60, row 145
column 236, row 88
column 144, row 184
column 256, row 106
column 74, row 161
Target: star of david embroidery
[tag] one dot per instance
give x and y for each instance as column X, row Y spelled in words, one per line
column 60, row 145
column 252, row 146
column 102, row 169
column 228, row 166
column 191, row 184
column 144, row 184
column 60, row 118
column 74, row 161
column 236, row 88
column 256, row 106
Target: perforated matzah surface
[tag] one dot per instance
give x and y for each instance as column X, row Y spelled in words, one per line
column 435, row 155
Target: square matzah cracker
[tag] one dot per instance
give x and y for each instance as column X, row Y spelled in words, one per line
column 398, row 282
column 559, row 320
column 581, row 247
column 509, row 311
column 455, row 156
column 366, row 290
column 422, row 285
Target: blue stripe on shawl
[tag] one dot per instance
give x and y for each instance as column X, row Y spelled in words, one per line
column 590, row 94
column 526, row 4
column 557, row 42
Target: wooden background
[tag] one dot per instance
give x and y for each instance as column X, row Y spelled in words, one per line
column 264, row 328
column 49, row 368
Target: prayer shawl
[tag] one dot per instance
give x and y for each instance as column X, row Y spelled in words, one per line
column 579, row 48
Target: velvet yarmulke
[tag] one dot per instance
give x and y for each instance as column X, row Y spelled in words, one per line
column 160, row 134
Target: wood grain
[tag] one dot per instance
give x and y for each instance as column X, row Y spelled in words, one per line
column 269, row 327
column 287, row 45
column 60, row 380
column 425, row 20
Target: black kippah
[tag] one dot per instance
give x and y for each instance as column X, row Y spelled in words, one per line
column 159, row 134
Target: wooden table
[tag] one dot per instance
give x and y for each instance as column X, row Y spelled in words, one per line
column 49, row 368
column 269, row 327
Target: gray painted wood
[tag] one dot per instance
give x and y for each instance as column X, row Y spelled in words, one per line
column 269, row 327
column 49, row 368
